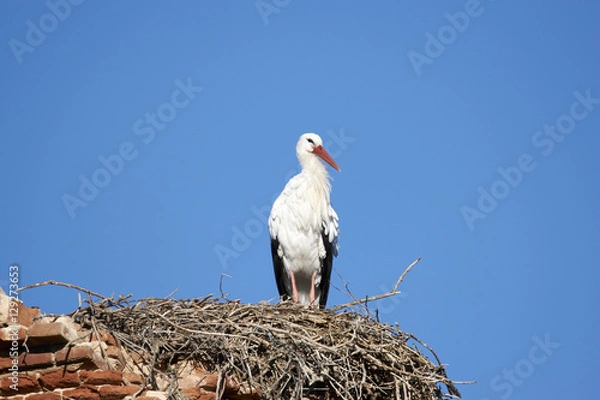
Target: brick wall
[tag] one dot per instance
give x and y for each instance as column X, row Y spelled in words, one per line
column 54, row 358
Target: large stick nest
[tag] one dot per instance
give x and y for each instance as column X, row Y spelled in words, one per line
column 284, row 351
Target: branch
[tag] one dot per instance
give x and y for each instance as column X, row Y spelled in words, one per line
column 223, row 295
column 404, row 274
column 56, row 283
column 393, row 292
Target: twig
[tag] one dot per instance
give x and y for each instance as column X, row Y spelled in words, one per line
column 346, row 286
column 393, row 292
column 223, row 295
column 172, row 293
column 405, row 272
column 56, row 283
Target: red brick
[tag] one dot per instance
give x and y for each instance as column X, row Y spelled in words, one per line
column 27, row 315
column 59, row 379
column 77, row 366
column 44, row 333
column 82, row 393
column 108, row 338
column 193, row 378
column 7, row 362
column 38, row 360
column 210, row 382
column 129, row 378
column 207, row 396
column 97, row 363
column 136, row 358
column 113, row 352
column 102, row 377
column 153, row 395
column 109, row 392
column 45, row 396
column 81, row 352
column 25, row 384
column 196, row 394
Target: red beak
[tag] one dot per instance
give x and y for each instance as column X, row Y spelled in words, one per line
column 320, row 151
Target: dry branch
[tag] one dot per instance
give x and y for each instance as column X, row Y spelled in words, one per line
column 367, row 299
column 69, row 285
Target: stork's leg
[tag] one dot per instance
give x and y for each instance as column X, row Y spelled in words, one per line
column 312, row 289
column 295, row 295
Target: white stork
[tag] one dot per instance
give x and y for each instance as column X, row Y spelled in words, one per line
column 304, row 228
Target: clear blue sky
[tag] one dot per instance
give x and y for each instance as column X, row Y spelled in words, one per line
column 467, row 133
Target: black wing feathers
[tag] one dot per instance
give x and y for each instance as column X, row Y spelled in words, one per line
column 326, row 267
column 279, row 269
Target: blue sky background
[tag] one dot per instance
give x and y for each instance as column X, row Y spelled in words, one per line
column 417, row 141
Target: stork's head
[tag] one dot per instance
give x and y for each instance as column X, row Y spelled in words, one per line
column 310, row 146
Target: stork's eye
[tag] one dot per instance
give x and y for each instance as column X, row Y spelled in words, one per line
column 310, row 141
